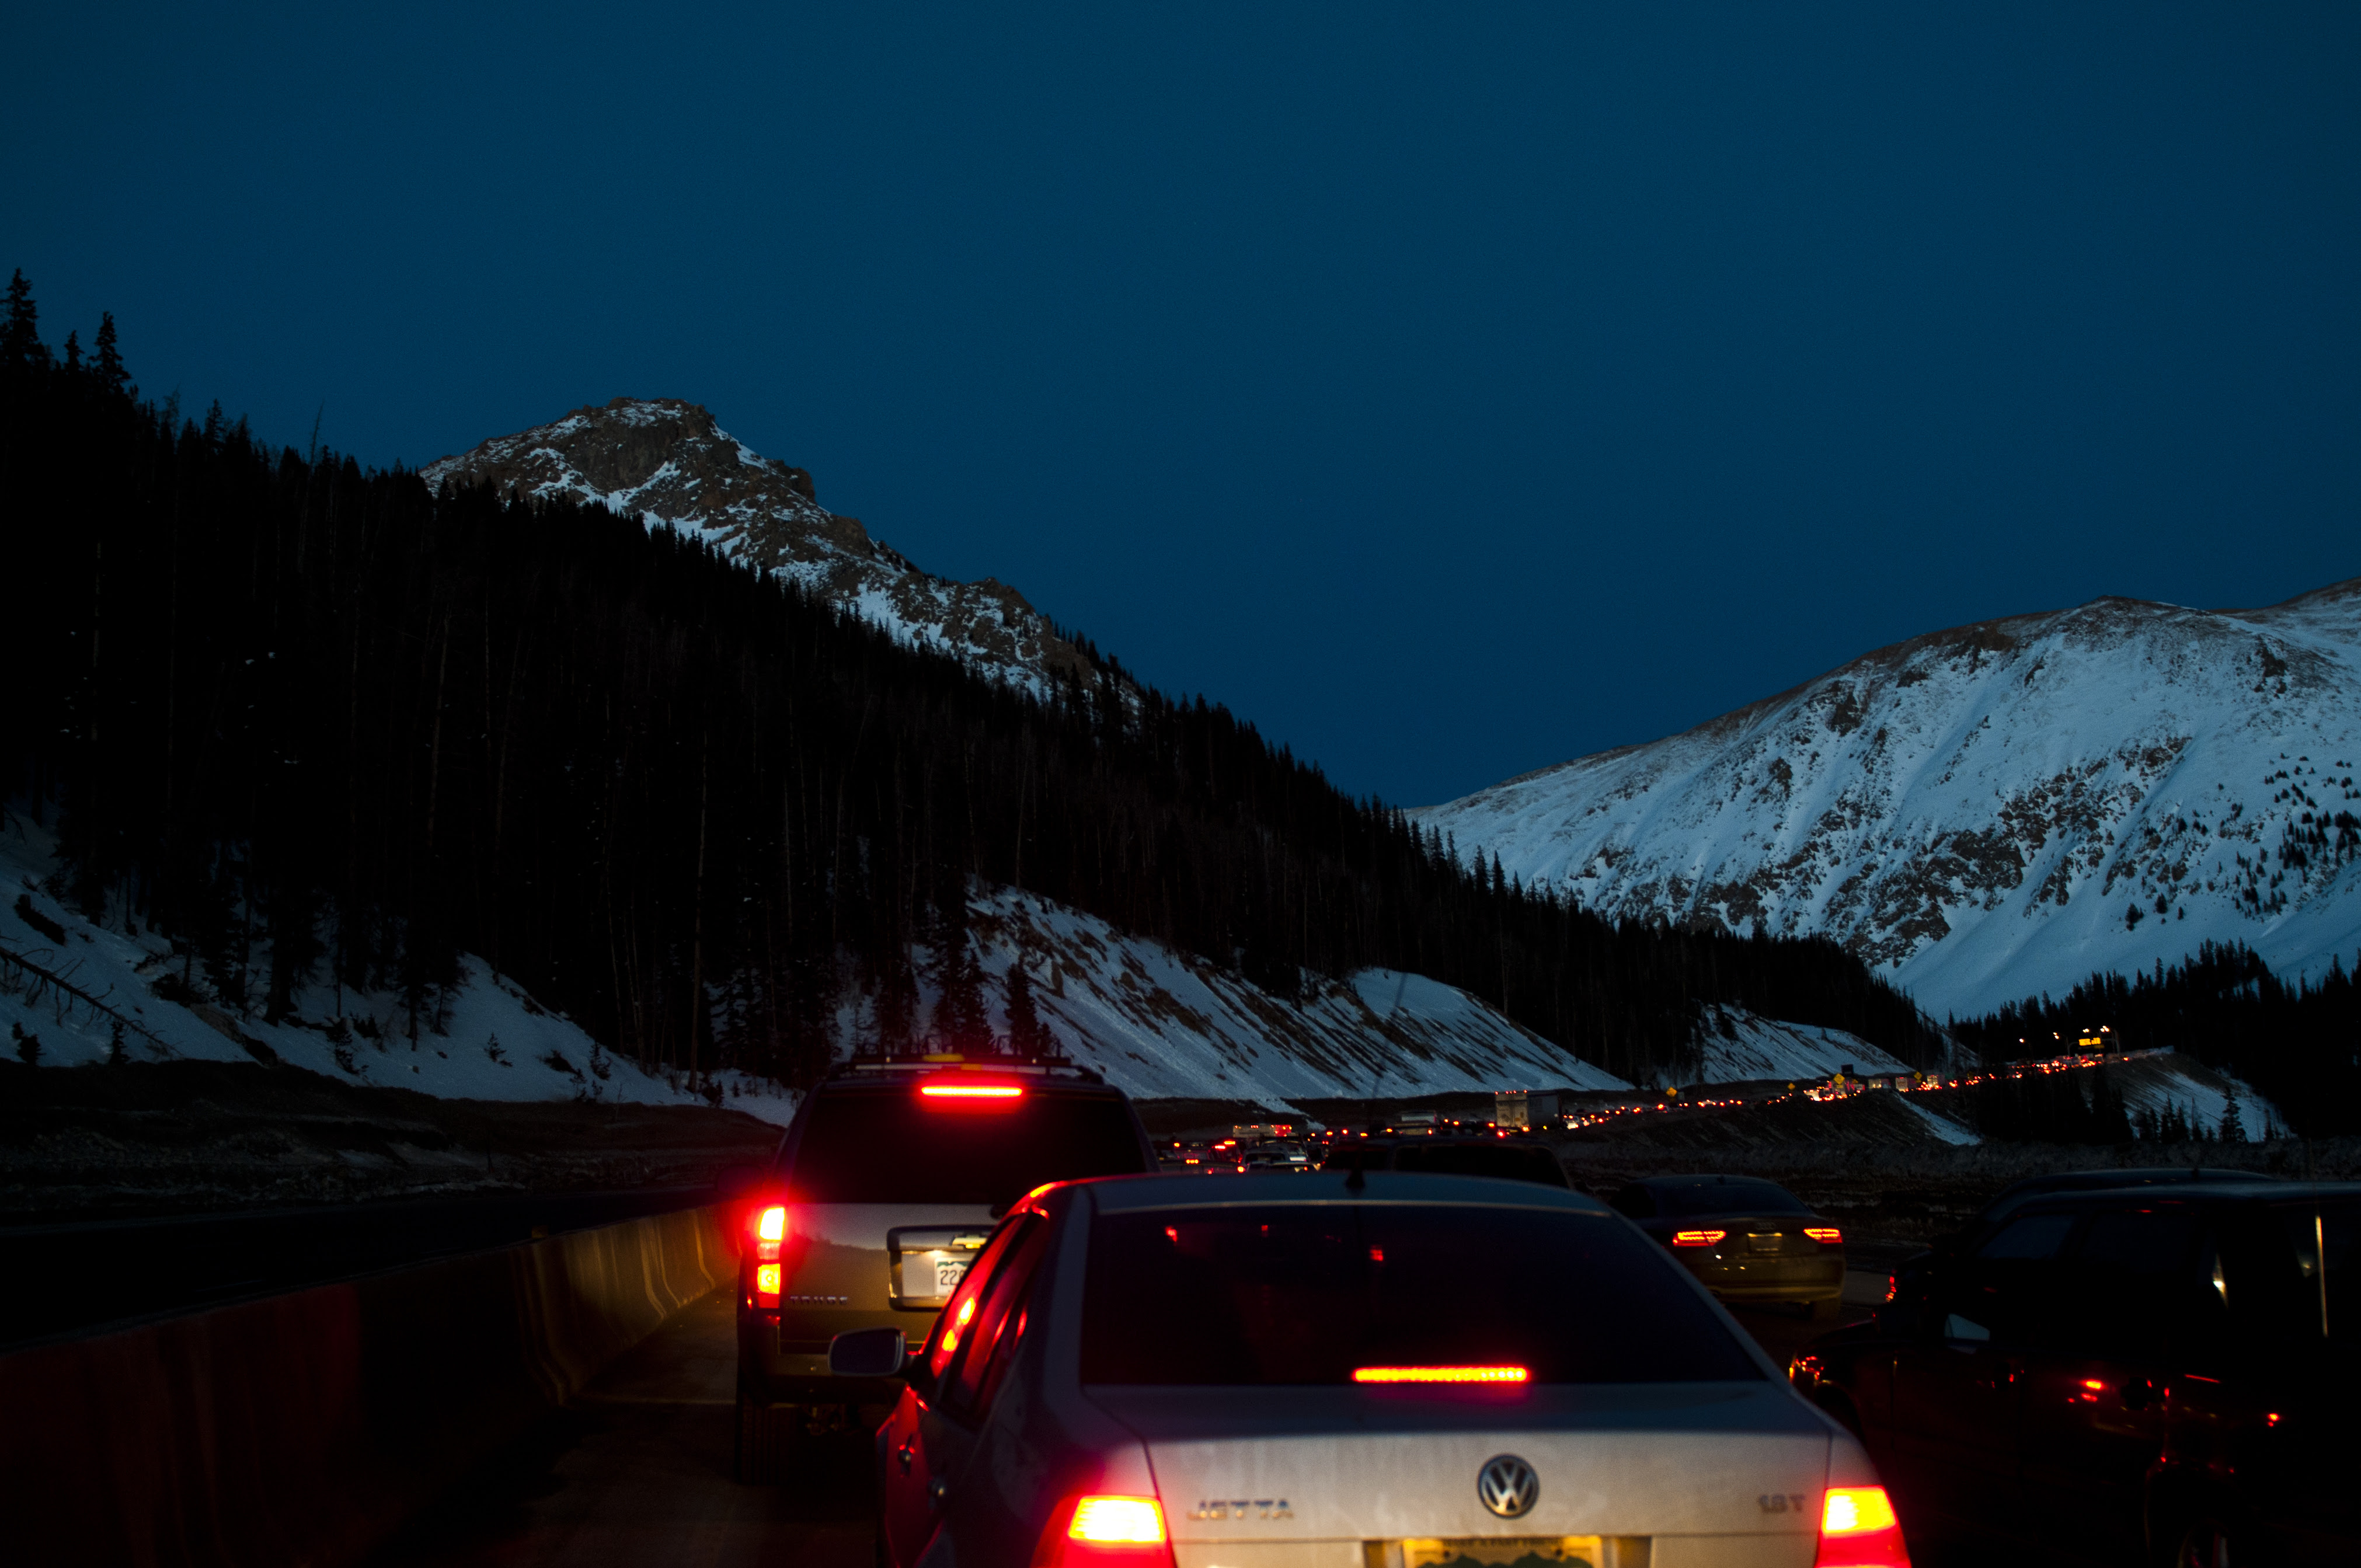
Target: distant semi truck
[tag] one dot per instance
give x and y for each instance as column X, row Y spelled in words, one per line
column 1524, row 1108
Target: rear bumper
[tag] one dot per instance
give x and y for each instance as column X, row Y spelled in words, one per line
column 1773, row 1280
column 1780, row 1292
column 794, row 1372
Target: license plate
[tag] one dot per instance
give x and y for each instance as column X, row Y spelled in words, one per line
column 1502, row 1552
column 1775, row 1241
column 949, row 1269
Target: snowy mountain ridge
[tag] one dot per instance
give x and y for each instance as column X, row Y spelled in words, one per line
column 1994, row 810
column 668, row 463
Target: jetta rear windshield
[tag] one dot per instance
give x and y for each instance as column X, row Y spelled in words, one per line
column 891, row 1146
column 1314, row 1293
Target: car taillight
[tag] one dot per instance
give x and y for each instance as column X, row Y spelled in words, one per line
column 1118, row 1532
column 766, row 1285
column 1698, row 1238
column 1893, row 1288
column 770, row 1228
column 1859, row 1530
column 1827, row 1236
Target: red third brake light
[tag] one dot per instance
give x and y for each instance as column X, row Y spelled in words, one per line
column 1002, row 1091
column 1698, row 1238
column 1858, row 1529
column 1115, row 1533
column 1440, row 1375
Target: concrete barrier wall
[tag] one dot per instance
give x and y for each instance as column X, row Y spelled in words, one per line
column 302, row 1429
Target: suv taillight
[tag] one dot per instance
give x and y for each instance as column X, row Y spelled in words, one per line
column 770, row 1228
column 1099, row 1531
column 1859, row 1530
column 767, row 1228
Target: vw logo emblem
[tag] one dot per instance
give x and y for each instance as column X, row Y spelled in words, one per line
column 1508, row 1487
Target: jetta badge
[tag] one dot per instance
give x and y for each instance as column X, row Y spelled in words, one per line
column 1508, row 1487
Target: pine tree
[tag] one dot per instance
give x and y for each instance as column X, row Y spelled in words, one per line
column 960, row 1019
column 73, row 353
column 2233, row 1127
column 2110, row 1123
column 107, row 359
column 1027, row 1036
column 20, row 339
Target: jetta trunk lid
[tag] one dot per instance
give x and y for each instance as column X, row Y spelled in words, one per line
column 1691, row 1461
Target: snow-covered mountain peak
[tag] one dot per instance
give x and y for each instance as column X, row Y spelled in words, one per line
column 1995, row 810
column 669, row 463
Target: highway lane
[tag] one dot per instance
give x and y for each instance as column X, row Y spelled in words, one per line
column 638, row 1471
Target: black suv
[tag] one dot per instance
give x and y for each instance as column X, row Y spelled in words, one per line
column 2158, row 1374
column 887, row 1186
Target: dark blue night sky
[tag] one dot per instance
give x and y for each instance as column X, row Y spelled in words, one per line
column 1451, row 391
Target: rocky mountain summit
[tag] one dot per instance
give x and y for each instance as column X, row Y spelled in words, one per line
column 668, row 463
column 1998, row 809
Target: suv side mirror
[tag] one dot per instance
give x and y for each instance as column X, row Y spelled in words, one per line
column 867, row 1352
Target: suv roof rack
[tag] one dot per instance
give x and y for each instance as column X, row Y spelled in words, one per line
column 948, row 1061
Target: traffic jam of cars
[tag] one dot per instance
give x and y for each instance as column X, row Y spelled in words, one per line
column 1423, row 1346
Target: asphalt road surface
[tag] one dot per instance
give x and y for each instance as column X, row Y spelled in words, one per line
column 638, row 1471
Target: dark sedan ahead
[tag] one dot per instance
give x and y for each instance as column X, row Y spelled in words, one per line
column 1746, row 1240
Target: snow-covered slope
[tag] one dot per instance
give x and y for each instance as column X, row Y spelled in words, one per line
column 1156, row 1022
column 667, row 463
column 1163, row 1023
column 1995, row 810
column 1738, row 1046
column 492, row 1041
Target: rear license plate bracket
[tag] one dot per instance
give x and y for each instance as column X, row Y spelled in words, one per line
column 1503, row 1552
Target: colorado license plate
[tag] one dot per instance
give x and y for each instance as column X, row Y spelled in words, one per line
column 1502, row 1552
column 949, row 1269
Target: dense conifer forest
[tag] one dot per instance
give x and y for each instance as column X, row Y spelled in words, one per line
column 328, row 731
column 2298, row 1044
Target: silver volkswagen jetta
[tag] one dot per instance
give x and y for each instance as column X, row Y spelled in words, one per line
column 1372, row 1370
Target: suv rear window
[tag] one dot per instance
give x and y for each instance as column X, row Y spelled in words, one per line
column 870, row 1146
column 1305, row 1295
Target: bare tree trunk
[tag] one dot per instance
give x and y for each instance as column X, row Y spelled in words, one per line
column 697, row 914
